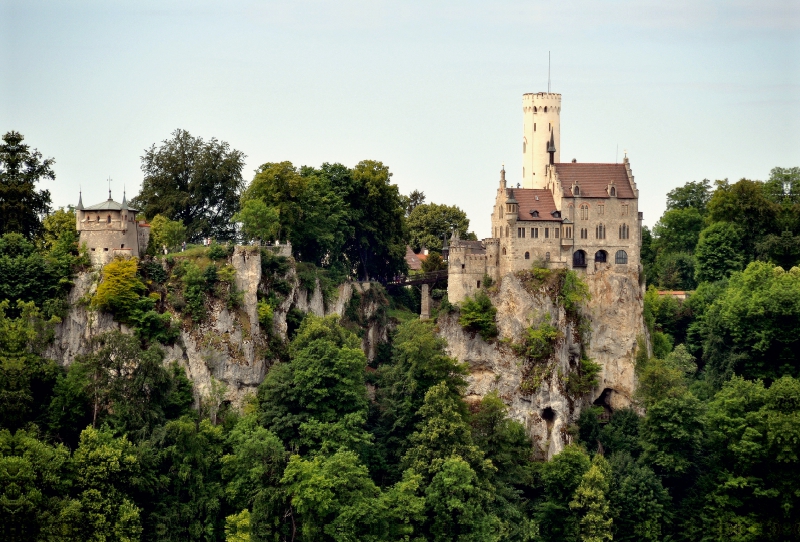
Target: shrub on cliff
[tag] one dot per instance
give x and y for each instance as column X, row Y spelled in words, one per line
column 478, row 315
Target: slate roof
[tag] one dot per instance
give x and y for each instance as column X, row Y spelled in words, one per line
column 413, row 261
column 527, row 200
column 108, row 205
column 594, row 178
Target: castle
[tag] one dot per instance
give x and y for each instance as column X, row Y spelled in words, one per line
column 569, row 215
column 110, row 229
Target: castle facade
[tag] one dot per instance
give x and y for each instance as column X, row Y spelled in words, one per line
column 110, row 229
column 564, row 215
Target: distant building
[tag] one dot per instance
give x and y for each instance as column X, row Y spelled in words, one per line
column 110, row 229
column 568, row 215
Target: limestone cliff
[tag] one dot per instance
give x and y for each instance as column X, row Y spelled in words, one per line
column 228, row 345
column 547, row 411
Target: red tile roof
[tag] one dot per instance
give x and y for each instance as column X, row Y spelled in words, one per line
column 594, row 178
column 527, row 200
column 414, row 263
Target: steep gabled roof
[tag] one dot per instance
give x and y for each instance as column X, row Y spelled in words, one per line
column 594, row 179
column 527, row 200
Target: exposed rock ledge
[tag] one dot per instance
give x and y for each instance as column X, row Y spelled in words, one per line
column 228, row 345
column 615, row 313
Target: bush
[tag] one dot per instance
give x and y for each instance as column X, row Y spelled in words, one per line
column 540, row 342
column 120, row 290
column 219, row 252
column 478, row 316
column 583, row 380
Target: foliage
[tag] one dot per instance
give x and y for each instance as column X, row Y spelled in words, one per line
column 22, row 207
column 430, row 223
column 324, row 380
column 678, row 230
column 591, row 503
column 258, row 220
column 26, row 379
column 558, row 479
column 28, row 274
column 719, row 252
column 639, row 504
column 193, row 181
column 692, row 195
column 165, row 234
column 583, row 380
column 751, row 328
column 478, row 316
column 122, row 293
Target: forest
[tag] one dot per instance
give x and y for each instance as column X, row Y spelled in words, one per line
column 337, row 447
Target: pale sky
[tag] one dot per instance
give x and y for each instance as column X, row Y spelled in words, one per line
column 692, row 89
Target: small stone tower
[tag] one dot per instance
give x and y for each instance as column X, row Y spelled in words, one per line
column 110, row 229
column 541, row 136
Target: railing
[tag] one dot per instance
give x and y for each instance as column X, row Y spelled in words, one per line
column 422, row 278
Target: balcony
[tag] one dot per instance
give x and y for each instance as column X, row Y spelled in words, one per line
column 566, row 243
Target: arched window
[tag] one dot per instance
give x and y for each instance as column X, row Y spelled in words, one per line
column 584, row 233
column 576, row 190
column 600, row 231
column 601, row 256
column 621, row 257
column 624, row 231
column 504, row 251
column 524, row 146
column 527, row 255
column 506, row 231
column 545, row 109
column 579, row 259
column 613, row 192
column 584, row 212
column 108, row 219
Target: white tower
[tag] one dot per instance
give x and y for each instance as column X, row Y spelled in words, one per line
column 541, row 113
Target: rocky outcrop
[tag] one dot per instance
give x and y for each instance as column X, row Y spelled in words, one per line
column 548, row 411
column 229, row 345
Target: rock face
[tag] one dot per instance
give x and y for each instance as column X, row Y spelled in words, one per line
column 548, row 411
column 229, row 345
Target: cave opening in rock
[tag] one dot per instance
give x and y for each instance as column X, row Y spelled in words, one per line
column 549, row 416
column 604, row 401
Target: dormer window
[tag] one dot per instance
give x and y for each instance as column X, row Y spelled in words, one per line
column 535, row 213
column 576, row 190
column 556, row 214
column 612, row 192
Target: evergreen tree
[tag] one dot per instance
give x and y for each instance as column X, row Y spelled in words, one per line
column 591, row 503
column 22, row 207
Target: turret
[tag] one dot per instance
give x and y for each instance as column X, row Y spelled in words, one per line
column 124, row 211
column 541, row 132
column 79, row 211
column 512, row 208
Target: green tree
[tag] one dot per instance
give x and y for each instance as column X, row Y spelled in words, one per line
column 105, row 468
column 558, row 479
column 459, row 504
column 638, row 502
column 443, row 433
column 28, row 274
column 182, row 493
column 744, row 203
column 418, row 363
column 678, row 230
column 674, row 270
column 165, row 233
column 430, row 223
column 128, row 387
column 591, row 503
column 378, row 244
column 478, row 315
column 332, row 497
column 258, row 220
column 34, row 484
column 692, row 195
column 719, row 252
column 193, row 181
column 671, row 435
column 58, row 229
column 753, row 465
column 412, row 200
column 324, row 381
column 26, row 379
column 751, row 328
column 22, row 207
